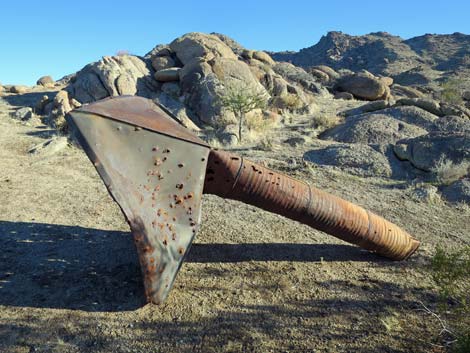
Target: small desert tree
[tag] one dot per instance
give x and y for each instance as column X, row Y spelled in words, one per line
column 241, row 98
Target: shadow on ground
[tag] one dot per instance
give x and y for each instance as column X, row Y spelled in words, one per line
column 27, row 99
column 49, row 265
column 93, row 270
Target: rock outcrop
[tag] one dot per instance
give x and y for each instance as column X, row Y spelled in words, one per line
column 195, row 70
column 373, row 128
column 357, row 159
column 113, row 76
column 425, row 152
column 46, row 81
column 364, row 86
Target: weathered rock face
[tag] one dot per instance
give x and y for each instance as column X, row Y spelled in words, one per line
column 373, row 128
column 300, row 76
column 46, row 81
column 319, row 75
column 332, row 74
column 356, row 159
column 199, row 45
column 400, row 91
column 412, row 115
column 263, row 57
column 451, row 124
column 425, row 152
column 364, row 86
column 163, row 62
column 168, row 75
column 113, row 76
column 426, row 104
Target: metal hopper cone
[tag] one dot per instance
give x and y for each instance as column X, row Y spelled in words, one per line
column 157, row 170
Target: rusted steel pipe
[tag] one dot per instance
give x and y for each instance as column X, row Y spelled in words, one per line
column 233, row 177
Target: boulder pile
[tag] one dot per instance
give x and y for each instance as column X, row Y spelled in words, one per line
column 190, row 74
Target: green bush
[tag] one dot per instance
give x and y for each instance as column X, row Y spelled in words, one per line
column 450, row 92
column 451, row 274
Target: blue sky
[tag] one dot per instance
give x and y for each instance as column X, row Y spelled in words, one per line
column 60, row 37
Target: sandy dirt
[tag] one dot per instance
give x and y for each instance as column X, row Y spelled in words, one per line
column 253, row 282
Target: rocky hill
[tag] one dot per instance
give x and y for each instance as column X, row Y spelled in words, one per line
column 384, row 54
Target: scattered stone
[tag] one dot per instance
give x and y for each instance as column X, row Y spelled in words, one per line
column 466, row 95
column 46, row 81
column 357, row 159
column 24, row 114
column 458, row 191
column 50, row 147
column 168, row 75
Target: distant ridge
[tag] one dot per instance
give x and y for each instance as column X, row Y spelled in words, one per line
column 384, row 54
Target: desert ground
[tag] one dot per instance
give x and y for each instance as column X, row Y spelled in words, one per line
column 253, row 281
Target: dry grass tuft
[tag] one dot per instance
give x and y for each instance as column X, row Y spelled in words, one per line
column 446, row 172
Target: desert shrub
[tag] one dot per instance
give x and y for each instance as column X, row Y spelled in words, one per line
column 446, row 171
column 258, row 123
column 288, row 101
column 240, row 99
column 324, row 122
column 450, row 92
column 450, row 272
column 266, row 144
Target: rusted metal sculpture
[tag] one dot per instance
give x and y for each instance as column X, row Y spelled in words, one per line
column 157, row 170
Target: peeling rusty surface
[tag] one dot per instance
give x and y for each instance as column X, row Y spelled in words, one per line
column 230, row 176
column 161, row 201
